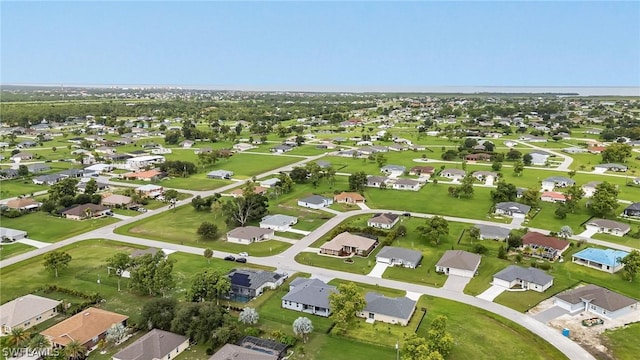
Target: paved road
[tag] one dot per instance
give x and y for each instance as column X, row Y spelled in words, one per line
column 565, row 163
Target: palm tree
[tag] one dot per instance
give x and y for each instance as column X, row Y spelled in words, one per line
column 75, row 351
column 39, row 342
column 18, row 337
column 88, row 213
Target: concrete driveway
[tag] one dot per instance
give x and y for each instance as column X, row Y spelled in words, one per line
column 491, row 293
column 516, row 222
column 30, row 242
column 378, row 270
column 550, row 314
column 456, row 283
column 588, row 233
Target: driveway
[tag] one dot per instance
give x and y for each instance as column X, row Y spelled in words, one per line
column 516, row 222
column 456, row 283
column 378, row 270
column 550, row 314
column 491, row 293
column 296, row 231
column 34, row 243
column 362, row 206
column 588, row 233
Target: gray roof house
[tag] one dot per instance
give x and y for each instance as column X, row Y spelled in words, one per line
column 455, row 174
column 393, row 255
column 247, row 283
column 156, row 344
column 527, row 278
column 25, row 312
column 597, row 300
column 608, row 226
column 458, row 262
column 612, row 167
column 310, row 296
column 47, row 179
column 388, row 310
column 278, row 222
column 236, row 352
column 220, row 174
column 383, row 220
column 493, row 232
column 315, row 202
column 511, row 208
column 395, row 170
column 248, row 234
column 376, row 181
column 553, row 181
column 632, row 210
column 36, row 168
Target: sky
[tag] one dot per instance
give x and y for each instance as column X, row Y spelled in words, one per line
column 321, row 44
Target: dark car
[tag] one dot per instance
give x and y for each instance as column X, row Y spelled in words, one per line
column 406, row 214
column 241, row 260
column 230, row 258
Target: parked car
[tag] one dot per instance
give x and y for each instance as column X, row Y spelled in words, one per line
column 230, row 258
column 241, row 260
column 243, row 254
column 142, row 210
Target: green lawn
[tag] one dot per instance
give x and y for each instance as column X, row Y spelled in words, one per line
column 622, row 240
column 9, row 250
column 624, row 341
column 546, row 218
column 43, row 227
column 125, row 212
column 11, row 188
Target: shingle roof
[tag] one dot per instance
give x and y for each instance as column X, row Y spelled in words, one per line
column 513, row 207
column 531, row 275
column 604, row 298
column 396, row 307
column 278, row 220
column 17, row 311
column 248, row 232
column 493, row 232
column 609, row 224
column 235, row 352
column 314, row 199
column 83, row 326
column 309, row 292
column 602, row 256
column 79, row 210
column 252, row 279
column 459, row 259
column 155, row 344
column 536, row 238
column 348, row 239
column 558, row 179
column 384, row 218
column 394, row 252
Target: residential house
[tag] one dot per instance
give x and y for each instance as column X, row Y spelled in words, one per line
column 323, row 164
column 531, row 138
column 608, row 227
column 453, row 174
column 590, row 188
column 72, row 173
column 25, row 312
column 487, row 176
column 309, row 296
column 632, row 210
column 383, row 220
column 478, row 157
column 150, row 190
column 24, row 204
column 11, row 235
column 346, row 244
column 84, row 211
column 105, row 150
column 458, row 262
column 377, row 181
column 607, row 260
column 611, row 167
column 315, row 202
column 524, row 278
column 203, row 150
column 249, row 234
column 149, row 175
column 493, row 232
column 186, row 144
column 87, row 327
column 280, row 149
column 8, row 173
column 596, row 149
column 154, row 345
column 510, row 208
column 393, row 170
column 232, row 351
column 406, row 184
column 596, row 300
column 543, row 246
column 398, row 256
column 47, row 179
column 422, row 171
column 220, row 174
column 27, row 144
column 550, row 183
column 140, row 162
column 278, row 222
column 574, row 150
column 349, row 198
column 248, row 283
column 21, row 156
column 82, row 185
column 38, row 168
column 116, row 200
column 388, row 310
column 553, row 197
column 269, row 183
column 240, row 192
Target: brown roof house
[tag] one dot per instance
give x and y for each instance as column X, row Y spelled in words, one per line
column 116, row 200
column 546, row 247
column 154, row 345
column 597, row 300
column 25, row 312
column 249, row 234
column 23, row 204
column 348, row 244
column 383, row 220
column 87, row 327
column 349, row 198
column 458, row 262
column 84, row 211
column 235, row 352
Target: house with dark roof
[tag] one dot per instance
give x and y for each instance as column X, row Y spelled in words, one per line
column 247, row 283
column 543, row 246
column 309, row 296
column 398, row 256
column 315, row 202
column 383, row 220
column 38, row 168
column 84, row 211
column 611, row 167
column 154, row 345
column 49, row 179
column 25, row 312
column 491, row 232
column 388, row 310
column 608, row 227
column 458, row 262
column 596, row 300
column 376, row 181
column 607, row 260
column 424, row 171
column 348, row 244
column 523, row 278
column 632, row 210
column 510, row 208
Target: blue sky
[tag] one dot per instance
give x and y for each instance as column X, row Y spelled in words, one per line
column 325, row 44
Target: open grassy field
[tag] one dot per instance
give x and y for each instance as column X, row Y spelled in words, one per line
column 9, row 250
column 43, row 227
column 624, row 341
column 17, row 187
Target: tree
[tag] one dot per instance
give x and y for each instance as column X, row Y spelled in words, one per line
column 514, row 240
column 23, row 171
column 502, row 254
column 616, row 153
column 345, row 304
column 401, row 231
column 465, row 190
column 152, row 274
column 207, row 231
column 381, row 160
column 119, row 262
column 527, row 159
column 204, row 204
column 504, row 192
column 171, row 195
column 74, row 350
column 116, row 333
column 249, row 316
column 285, row 185
column 202, row 322
column 440, row 340
column 415, row 347
column 561, row 211
column 357, row 181
column 514, row 155
column 299, row 175
column 172, row 137
column 518, row 168
column 63, row 188
column 434, row 229
column 530, row 197
column 496, row 165
column 56, row 260
column 38, row 341
column 158, row 313
column 605, row 200
column 208, row 254
column 565, row 232
column 242, row 209
column 18, row 337
column 302, row 327
column 474, row 233
column 208, row 286
column 631, row 264
column 573, row 196
column 91, row 187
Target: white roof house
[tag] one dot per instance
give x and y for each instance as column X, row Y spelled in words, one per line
column 278, row 222
column 25, row 312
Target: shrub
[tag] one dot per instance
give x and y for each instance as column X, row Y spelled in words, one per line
column 479, row 249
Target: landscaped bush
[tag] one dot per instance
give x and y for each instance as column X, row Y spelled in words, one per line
column 479, row 249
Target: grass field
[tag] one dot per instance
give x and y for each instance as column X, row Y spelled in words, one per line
column 624, row 342
column 9, row 250
column 43, row 227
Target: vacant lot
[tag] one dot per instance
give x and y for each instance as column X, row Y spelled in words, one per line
column 44, row 227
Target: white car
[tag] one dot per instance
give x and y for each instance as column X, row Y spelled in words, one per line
column 243, row 254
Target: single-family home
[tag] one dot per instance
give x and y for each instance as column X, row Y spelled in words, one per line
column 232, row 351
column 458, row 262
column 82, row 185
column 611, row 167
column 376, row 181
column 406, row 184
column 383, row 220
column 21, row 156
column 309, row 296
column 84, row 211
column 49, row 179
column 525, row 278
column 608, row 227
column 531, row 138
column 11, row 235
column 478, row 157
column 422, row 171
column 595, row 149
column 387, row 309
column 186, row 144
column 87, row 327
column 551, row 182
column 220, row 174
column 240, row 192
column 280, row 149
column 349, row 198
column 590, row 188
column 203, row 150
column 393, row 170
column 8, row 173
column 149, row 175
column 553, row 197
column 249, row 234
column 269, row 183
column 116, row 200
column 315, row 202
column 491, row 232
column 150, row 190
column 543, row 246
column 72, row 173
column 24, row 204
column 453, row 174
column 539, row 157
column 348, row 244
column 155, row 345
column 248, row 283
column 398, row 256
column 278, row 222
column 25, row 312
column 596, row 300
column 510, row 208
column 487, row 176
column 607, row 260
column 38, row 168
column 140, row 162
column 632, row 210
column 574, row 150
column 243, row 147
